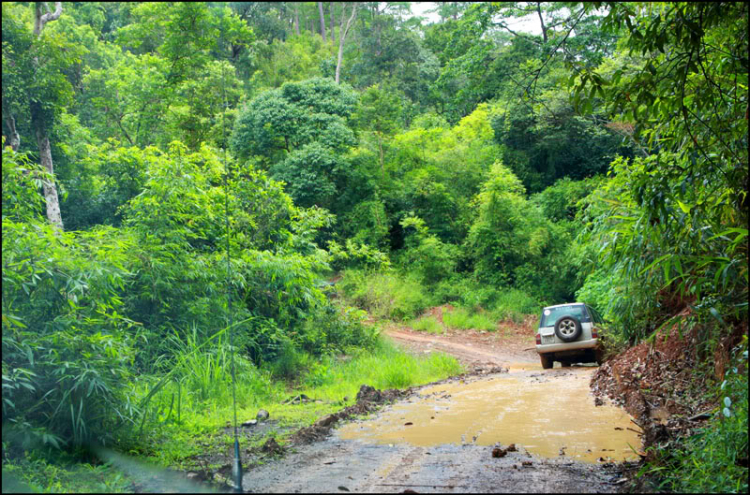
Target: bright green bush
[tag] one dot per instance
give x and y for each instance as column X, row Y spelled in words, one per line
column 427, row 255
column 368, row 223
column 514, row 305
column 353, row 255
column 385, row 294
column 560, row 201
column 502, row 303
column 67, row 354
column 330, row 329
column 35, row 473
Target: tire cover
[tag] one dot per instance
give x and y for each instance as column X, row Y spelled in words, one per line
column 564, row 322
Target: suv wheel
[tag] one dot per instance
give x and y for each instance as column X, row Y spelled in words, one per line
column 546, row 361
column 568, row 329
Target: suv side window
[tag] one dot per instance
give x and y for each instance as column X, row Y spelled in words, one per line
column 597, row 318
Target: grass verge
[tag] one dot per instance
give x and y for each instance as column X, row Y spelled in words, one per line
column 331, row 383
column 187, row 427
column 464, row 319
column 427, row 324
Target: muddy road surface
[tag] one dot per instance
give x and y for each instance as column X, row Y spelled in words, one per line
column 517, row 428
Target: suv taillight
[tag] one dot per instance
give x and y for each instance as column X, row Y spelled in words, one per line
column 538, row 339
column 594, row 333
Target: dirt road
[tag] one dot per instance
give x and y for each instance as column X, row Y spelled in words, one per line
column 456, row 436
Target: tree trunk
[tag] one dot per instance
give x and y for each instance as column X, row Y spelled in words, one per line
column 45, row 157
column 13, row 136
column 322, row 22
column 296, row 19
column 41, row 19
column 541, row 19
column 333, row 21
column 343, row 31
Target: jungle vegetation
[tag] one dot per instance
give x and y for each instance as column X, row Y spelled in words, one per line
column 416, row 163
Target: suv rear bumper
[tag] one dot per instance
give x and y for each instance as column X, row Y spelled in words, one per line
column 571, row 346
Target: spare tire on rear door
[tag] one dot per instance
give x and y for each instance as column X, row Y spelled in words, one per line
column 568, row 328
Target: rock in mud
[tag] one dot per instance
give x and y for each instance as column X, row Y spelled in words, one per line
column 250, row 422
column 263, row 415
column 512, row 448
column 497, row 452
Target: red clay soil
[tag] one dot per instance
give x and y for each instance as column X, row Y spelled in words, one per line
column 657, row 384
column 472, row 348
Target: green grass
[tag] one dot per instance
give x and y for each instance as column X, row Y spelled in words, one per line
column 61, row 475
column 386, row 367
column 173, row 440
column 465, row 319
column 428, row 324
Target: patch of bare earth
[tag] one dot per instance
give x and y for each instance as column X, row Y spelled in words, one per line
column 658, row 385
column 511, row 342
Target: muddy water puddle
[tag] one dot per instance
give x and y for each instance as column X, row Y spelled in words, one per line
column 545, row 412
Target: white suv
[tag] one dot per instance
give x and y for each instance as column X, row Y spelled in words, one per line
column 569, row 333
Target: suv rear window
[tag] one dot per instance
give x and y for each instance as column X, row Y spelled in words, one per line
column 551, row 315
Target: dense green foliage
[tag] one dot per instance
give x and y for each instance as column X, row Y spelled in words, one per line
column 457, row 162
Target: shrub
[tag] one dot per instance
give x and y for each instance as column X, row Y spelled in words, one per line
column 64, row 388
column 560, row 201
column 368, row 224
column 290, row 362
column 433, row 259
column 385, row 294
column 356, row 255
column 332, row 329
column 514, row 304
